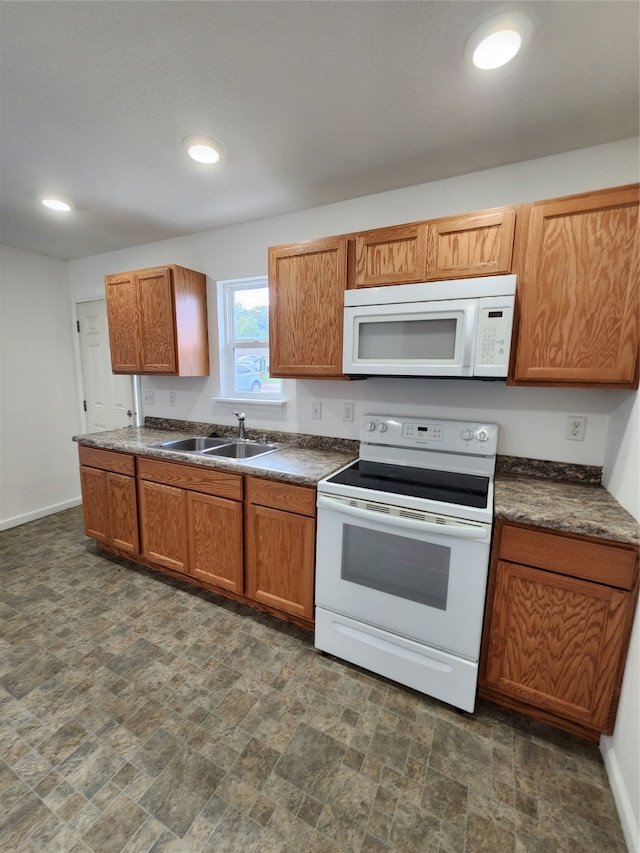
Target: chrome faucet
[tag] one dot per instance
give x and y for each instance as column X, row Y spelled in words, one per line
column 241, row 433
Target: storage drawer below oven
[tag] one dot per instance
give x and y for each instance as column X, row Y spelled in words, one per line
column 430, row 671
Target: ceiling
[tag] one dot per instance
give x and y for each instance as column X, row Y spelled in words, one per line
column 313, row 102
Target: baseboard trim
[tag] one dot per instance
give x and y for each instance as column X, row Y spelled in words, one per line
column 620, row 795
column 17, row 520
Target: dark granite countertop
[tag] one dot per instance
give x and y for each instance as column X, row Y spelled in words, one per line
column 304, row 461
column 553, row 495
column 561, row 497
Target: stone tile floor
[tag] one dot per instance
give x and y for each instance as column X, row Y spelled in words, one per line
column 140, row 714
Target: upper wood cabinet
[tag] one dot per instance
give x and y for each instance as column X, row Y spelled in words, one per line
column 306, row 296
column 396, row 255
column 158, row 321
column 578, row 294
column 474, row 244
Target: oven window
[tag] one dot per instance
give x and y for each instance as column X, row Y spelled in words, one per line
column 407, row 340
column 390, row 563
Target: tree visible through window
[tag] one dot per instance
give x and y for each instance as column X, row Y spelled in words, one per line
column 244, row 337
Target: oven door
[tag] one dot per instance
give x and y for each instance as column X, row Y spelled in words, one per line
column 404, row 571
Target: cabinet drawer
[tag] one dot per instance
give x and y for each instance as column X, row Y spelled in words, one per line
column 107, row 460
column 277, row 495
column 588, row 559
column 193, row 477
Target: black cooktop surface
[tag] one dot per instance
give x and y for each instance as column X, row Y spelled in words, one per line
column 445, row 486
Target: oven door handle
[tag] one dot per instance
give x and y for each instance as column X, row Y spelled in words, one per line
column 460, row 531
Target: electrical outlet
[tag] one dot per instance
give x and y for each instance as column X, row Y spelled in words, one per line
column 347, row 411
column 147, row 398
column 316, row 410
column 172, row 398
column 576, row 428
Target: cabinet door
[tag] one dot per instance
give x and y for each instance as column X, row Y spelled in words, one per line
column 123, row 512
column 157, row 321
column 123, row 317
column 280, row 560
column 163, row 524
column 556, row 642
column 578, row 297
column 471, row 245
column 95, row 503
column 215, row 540
column 396, row 255
column 306, row 300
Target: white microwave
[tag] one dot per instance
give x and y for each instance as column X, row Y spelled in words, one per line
column 459, row 328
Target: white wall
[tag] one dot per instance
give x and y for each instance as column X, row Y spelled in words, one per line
column 38, row 394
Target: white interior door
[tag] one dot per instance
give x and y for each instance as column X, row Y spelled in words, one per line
column 109, row 398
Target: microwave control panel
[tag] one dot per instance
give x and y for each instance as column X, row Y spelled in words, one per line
column 493, row 340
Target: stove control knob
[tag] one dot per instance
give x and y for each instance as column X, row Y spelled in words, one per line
column 482, row 435
column 371, row 426
column 383, row 427
column 467, row 434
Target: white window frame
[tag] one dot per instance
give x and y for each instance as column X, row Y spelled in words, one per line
column 225, row 291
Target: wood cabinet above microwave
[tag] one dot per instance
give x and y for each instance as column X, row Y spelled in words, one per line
column 474, row 244
column 158, row 321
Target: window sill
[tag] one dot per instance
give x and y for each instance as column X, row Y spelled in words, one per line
column 248, row 402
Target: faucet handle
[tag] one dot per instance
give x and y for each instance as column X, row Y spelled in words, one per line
column 240, row 415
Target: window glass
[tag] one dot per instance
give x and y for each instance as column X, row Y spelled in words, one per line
column 244, row 336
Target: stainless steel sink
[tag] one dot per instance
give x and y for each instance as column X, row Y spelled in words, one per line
column 227, row 448
column 193, row 445
column 242, row 449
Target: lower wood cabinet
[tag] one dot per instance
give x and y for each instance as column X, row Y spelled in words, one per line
column 163, row 523
column 191, row 521
column 558, row 620
column 280, row 540
column 215, row 540
column 109, row 504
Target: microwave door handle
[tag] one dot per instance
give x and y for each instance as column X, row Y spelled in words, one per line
column 448, row 529
column 469, row 341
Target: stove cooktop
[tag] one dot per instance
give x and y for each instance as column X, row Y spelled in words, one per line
column 443, row 486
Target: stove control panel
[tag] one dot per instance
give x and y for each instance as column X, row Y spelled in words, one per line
column 428, row 434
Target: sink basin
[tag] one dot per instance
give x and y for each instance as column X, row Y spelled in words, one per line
column 193, row 445
column 242, row 449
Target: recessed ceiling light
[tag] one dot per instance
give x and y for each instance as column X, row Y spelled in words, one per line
column 57, row 204
column 498, row 40
column 202, row 149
